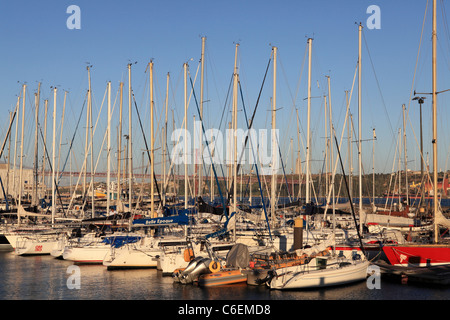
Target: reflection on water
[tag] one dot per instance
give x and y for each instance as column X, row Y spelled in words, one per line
column 45, row 278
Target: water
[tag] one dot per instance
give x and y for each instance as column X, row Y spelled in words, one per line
column 46, row 278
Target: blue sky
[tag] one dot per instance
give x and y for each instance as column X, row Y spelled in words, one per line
column 37, row 47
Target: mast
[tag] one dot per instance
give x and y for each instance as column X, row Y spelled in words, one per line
column 434, row 141
column 299, row 163
column 308, row 125
column 185, row 138
column 108, row 152
column 21, row 149
column 54, row 156
column 35, row 180
column 235, row 88
column 91, row 125
column 331, row 148
column 200, row 184
column 405, row 155
column 119, row 150
column 152, row 143
column 165, row 140
column 359, row 130
column 274, row 151
column 130, row 178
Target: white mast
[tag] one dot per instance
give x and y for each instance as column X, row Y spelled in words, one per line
column 35, row 173
column 185, row 138
column 274, row 137
column 165, row 140
column 21, row 148
column 92, row 145
column 200, row 184
column 54, row 157
column 119, row 151
column 130, row 177
column 235, row 88
column 405, row 155
column 331, row 145
column 152, row 144
column 359, row 130
column 108, row 154
column 308, row 169
column 434, row 141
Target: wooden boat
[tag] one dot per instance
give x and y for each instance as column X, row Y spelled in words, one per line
column 223, row 277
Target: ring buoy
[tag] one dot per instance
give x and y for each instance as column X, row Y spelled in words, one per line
column 214, row 266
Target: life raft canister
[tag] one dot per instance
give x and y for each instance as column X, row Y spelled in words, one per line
column 188, row 255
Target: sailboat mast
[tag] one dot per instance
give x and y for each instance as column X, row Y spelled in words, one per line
column 274, row 137
column 54, row 157
column 108, row 154
column 130, row 178
column 308, row 169
column 35, row 180
column 165, row 139
column 185, row 138
column 235, row 88
column 91, row 125
column 434, row 107
column 359, row 130
column 405, row 155
column 119, row 150
column 21, row 147
column 152, row 144
column 200, row 171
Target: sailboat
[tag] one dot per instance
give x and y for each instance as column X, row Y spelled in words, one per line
column 426, row 255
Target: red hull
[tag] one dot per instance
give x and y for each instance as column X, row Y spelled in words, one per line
column 418, row 255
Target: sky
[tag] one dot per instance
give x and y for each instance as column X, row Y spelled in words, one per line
column 38, row 46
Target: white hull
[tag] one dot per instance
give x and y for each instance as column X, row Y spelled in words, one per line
column 130, row 257
column 88, row 254
column 309, row 276
column 169, row 262
column 35, row 247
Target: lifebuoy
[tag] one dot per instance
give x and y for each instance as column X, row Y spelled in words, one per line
column 214, row 266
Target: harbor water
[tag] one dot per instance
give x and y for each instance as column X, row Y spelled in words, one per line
column 46, row 278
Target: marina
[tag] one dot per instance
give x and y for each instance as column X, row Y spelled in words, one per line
column 160, row 193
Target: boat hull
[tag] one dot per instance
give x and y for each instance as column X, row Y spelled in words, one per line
column 225, row 277
column 88, row 255
column 130, row 258
column 321, row 278
column 418, row 255
column 32, row 247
